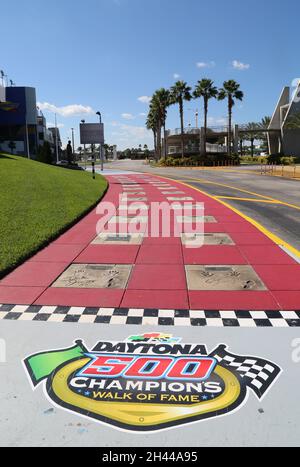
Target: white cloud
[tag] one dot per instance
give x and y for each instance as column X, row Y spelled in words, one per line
column 217, row 121
column 134, row 131
column 144, row 99
column 240, row 65
column 127, row 116
column 131, row 135
column 73, row 110
column 176, row 76
column 295, row 82
column 211, row 64
column 142, row 114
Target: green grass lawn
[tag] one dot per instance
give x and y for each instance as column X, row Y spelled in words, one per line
column 37, row 203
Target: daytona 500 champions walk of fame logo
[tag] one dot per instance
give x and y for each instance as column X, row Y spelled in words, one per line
column 149, row 382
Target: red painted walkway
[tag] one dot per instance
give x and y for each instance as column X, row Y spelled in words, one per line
column 158, row 277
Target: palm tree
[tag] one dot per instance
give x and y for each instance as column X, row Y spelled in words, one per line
column 253, row 134
column 264, row 124
column 230, row 91
column 181, row 92
column 243, row 138
column 206, row 89
column 151, row 124
column 160, row 103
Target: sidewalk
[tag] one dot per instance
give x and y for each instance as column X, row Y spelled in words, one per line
column 157, row 278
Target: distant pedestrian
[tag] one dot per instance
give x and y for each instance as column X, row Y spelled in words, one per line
column 69, row 153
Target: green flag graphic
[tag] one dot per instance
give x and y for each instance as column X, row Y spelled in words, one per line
column 41, row 365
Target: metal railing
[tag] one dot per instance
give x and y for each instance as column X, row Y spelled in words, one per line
column 286, row 171
column 187, row 131
column 218, row 129
column 210, row 148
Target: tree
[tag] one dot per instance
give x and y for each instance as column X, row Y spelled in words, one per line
column 252, row 134
column 243, row 138
column 161, row 101
column 264, row 124
column 12, row 146
column 158, row 113
column 151, row 124
column 181, row 92
column 206, row 89
column 44, row 153
column 107, row 150
column 230, row 91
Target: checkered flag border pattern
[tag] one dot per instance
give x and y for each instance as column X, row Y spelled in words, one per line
column 257, row 373
column 150, row 317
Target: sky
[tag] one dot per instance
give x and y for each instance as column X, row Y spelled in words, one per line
column 111, row 56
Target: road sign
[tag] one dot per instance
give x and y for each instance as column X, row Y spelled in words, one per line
column 91, row 133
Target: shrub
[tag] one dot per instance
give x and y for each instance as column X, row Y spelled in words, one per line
column 279, row 159
column 44, row 153
column 288, row 160
column 274, row 158
column 210, row 160
column 255, row 159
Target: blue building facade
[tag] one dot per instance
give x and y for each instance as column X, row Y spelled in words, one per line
column 18, row 119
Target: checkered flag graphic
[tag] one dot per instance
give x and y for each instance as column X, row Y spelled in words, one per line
column 257, row 373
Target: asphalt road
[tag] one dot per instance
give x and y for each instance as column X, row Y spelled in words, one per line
column 272, row 201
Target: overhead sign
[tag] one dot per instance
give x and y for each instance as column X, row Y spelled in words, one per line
column 150, row 382
column 92, row 133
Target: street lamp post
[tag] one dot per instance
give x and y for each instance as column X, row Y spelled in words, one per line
column 84, row 147
column 100, row 147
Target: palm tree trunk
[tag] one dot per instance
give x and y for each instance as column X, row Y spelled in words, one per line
column 182, row 128
column 205, row 124
column 165, row 140
column 229, row 126
column 159, row 141
column 241, row 147
column 155, row 143
column 252, row 148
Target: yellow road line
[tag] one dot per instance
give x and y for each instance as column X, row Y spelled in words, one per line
column 279, row 241
column 294, row 206
column 255, row 200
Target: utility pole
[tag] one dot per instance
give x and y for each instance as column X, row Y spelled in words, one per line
column 84, row 148
column 100, row 149
column 56, row 140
